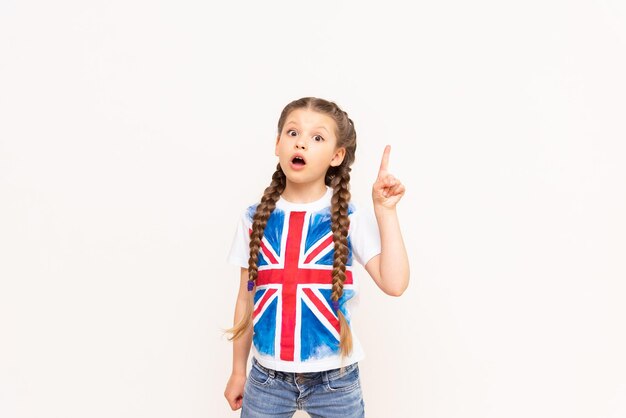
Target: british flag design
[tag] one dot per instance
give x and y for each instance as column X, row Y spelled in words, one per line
column 293, row 318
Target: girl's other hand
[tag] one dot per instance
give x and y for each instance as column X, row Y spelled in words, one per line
column 234, row 390
column 387, row 190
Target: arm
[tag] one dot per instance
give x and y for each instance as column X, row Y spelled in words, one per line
column 241, row 346
column 389, row 269
column 241, row 349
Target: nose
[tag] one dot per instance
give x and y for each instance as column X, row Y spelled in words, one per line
column 300, row 143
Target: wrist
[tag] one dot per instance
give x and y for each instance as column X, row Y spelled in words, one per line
column 383, row 209
column 239, row 368
column 238, row 372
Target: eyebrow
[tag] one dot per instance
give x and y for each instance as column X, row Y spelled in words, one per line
column 318, row 127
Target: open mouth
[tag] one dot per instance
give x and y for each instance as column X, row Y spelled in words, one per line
column 298, row 161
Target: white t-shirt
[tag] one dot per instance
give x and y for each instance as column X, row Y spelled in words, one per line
column 295, row 327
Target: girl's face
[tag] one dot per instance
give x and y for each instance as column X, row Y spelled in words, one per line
column 307, row 146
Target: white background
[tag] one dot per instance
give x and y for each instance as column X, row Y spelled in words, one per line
column 132, row 134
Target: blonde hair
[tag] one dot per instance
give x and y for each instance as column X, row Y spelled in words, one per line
column 338, row 178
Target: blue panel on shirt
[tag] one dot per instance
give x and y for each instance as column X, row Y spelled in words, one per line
column 347, row 295
column 318, row 227
column 315, row 336
column 259, row 294
column 265, row 330
column 274, row 229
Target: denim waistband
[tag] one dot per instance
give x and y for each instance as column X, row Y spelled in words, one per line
column 290, row 376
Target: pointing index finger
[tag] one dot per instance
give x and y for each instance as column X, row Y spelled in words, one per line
column 385, row 161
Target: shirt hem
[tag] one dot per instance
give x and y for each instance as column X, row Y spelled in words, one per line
column 309, row 367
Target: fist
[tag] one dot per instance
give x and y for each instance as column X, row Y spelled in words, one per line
column 234, row 391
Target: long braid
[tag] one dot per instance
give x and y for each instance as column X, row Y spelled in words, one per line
column 340, row 224
column 263, row 211
column 259, row 220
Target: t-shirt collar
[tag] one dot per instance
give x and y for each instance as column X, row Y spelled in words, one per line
column 318, row 204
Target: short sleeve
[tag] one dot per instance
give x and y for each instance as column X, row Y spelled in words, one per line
column 240, row 246
column 364, row 235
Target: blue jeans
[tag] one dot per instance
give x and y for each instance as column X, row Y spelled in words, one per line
column 327, row 394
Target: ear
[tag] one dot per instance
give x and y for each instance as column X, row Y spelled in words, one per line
column 338, row 157
column 276, row 149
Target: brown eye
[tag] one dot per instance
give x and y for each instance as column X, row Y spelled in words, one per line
column 289, row 131
column 316, row 138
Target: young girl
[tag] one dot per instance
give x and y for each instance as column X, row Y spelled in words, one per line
column 296, row 249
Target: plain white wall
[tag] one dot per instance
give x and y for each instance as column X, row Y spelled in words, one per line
column 132, row 134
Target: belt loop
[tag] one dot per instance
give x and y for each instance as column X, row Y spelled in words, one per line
column 325, row 376
column 272, row 373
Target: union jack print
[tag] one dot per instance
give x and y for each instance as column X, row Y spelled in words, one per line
column 293, row 318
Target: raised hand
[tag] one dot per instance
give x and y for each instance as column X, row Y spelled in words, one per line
column 387, row 190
